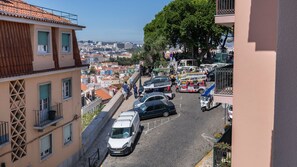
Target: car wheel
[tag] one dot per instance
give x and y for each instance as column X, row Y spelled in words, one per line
column 201, row 91
column 140, row 129
column 203, row 109
column 165, row 114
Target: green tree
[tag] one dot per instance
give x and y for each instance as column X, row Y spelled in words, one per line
column 184, row 23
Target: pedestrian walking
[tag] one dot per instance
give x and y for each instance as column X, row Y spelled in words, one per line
column 125, row 90
column 135, row 90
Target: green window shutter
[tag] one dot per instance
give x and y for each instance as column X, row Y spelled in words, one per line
column 43, row 38
column 44, row 91
column 65, row 39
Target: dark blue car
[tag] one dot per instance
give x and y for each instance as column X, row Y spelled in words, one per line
column 155, row 109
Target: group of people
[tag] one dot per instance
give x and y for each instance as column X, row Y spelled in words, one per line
column 126, row 90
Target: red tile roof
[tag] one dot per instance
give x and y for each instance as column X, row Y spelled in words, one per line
column 19, row 8
column 103, row 94
column 83, row 87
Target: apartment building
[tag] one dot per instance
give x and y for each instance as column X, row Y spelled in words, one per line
column 40, row 103
column 264, row 78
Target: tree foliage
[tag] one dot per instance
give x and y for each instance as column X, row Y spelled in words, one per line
column 184, row 23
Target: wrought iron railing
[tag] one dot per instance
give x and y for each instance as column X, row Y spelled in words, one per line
column 94, row 159
column 48, row 116
column 23, row 9
column 4, row 132
column 224, row 81
column 225, row 7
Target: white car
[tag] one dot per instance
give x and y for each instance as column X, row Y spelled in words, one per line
column 124, row 132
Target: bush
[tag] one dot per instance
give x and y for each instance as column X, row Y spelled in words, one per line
column 218, row 135
column 88, row 117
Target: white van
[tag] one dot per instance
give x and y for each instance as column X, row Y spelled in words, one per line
column 123, row 134
column 188, row 64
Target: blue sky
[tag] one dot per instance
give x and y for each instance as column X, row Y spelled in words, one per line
column 109, row 20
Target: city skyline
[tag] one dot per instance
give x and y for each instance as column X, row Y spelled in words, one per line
column 110, row 21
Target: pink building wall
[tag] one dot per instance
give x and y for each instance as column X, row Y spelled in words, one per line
column 254, row 82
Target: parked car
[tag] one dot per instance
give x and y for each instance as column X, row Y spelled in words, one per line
column 150, row 97
column 123, row 133
column 157, row 81
column 162, row 89
column 155, row 108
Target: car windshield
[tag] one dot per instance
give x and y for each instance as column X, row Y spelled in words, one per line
column 182, row 64
column 119, row 133
column 143, row 98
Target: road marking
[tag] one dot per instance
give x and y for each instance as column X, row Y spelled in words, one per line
column 207, row 138
column 179, row 105
column 163, row 122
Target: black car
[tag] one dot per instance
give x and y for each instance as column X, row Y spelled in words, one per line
column 155, row 109
column 155, row 80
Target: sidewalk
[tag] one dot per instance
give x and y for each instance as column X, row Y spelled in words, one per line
column 101, row 141
column 207, row 160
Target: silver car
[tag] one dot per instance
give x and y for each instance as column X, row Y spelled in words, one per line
column 150, row 97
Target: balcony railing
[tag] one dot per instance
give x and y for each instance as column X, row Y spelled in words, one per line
column 225, row 7
column 224, row 81
column 4, row 138
column 22, row 9
column 48, row 117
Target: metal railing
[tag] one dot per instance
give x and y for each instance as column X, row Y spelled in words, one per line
column 48, row 116
column 23, row 9
column 94, row 159
column 224, row 81
column 225, row 7
column 4, row 132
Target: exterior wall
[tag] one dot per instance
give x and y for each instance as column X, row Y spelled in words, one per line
column 41, row 61
column 254, row 82
column 285, row 134
column 45, row 61
column 71, row 107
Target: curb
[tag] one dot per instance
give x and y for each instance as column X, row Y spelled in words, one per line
column 204, row 159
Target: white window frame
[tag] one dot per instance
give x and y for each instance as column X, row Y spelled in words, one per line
column 64, row 91
column 69, row 138
column 70, row 42
column 49, row 43
column 50, row 150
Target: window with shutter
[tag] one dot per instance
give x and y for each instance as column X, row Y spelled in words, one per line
column 67, row 88
column 43, row 42
column 65, row 42
column 67, row 132
column 46, row 146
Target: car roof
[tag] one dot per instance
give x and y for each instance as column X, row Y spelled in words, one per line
column 122, row 124
column 155, row 102
column 124, row 120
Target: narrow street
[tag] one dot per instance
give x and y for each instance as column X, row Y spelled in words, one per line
column 179, row 140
